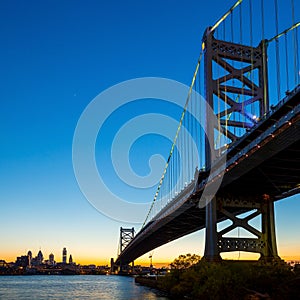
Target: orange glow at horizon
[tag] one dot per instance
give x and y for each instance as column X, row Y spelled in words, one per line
column 158, row 262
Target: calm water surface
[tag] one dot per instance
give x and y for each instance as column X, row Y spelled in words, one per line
column 74, row 287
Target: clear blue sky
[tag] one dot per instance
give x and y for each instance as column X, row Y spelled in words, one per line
column 55, row 57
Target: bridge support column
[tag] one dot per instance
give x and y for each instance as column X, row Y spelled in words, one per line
column 211, row 252
column 268, row 230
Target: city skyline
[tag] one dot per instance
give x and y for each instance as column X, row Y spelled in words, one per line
column 57, row 56
column 39, row 259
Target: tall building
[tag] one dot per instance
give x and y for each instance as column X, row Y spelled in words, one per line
column 70, row 259
column 112, row 265
column 51, row 259
column 64, row 256
column 29, row 255
column 40, row 258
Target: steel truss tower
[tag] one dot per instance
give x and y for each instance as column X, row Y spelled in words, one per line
column 126, row 236
column 248, row 91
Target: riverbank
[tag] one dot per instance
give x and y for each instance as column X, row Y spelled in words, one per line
column 228, row 280
column 151, row 282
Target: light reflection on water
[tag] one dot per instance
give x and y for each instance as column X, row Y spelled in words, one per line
column 74, row 287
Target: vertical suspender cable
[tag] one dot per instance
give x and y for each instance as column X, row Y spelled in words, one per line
column 241, row 23
column 189, row 115
column 191, row 134
column 277, row 51
column 194, row 163
column 196, row 115
column 286, row 62
column 251, row 44
column 178, row 165
column 182, row 156
column 224, row 30
column 199, row 135
column 171, row 175
column 185, row 147
column 217, row 144
column 226, row 106
column 242, row 75
column 264, row 49
column 231, row 27
column 198, row 119
column 295, row 42
column 189, row 139
column 175, row 162
column 262, row 20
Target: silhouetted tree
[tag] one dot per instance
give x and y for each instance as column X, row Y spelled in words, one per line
column 185, row 261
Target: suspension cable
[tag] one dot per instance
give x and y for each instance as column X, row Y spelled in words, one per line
column 277, row 36
column 175, row 138
column 284, row 33
column 226, row 15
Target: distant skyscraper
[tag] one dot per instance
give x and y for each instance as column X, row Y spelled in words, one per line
column 40, row 257
column 51, row 259
column 70, row 259
column 29, row 255
column 112, row 265
column 64, row 256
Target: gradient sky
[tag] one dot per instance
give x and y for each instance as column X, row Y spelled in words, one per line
column 55, row 57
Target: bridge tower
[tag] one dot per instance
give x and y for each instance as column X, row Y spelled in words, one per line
column 126, row 235
column 237, row 62
column 235, row 99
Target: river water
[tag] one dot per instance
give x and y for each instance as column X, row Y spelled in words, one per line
column 74, row 287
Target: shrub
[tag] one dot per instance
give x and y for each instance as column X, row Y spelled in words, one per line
column 195, row 279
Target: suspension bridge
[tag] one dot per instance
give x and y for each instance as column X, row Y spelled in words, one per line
column 246, row 132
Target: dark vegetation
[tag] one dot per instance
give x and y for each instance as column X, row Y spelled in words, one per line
column 192, row 278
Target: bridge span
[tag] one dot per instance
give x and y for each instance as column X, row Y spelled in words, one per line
column 257, row 163
column 266, row 161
